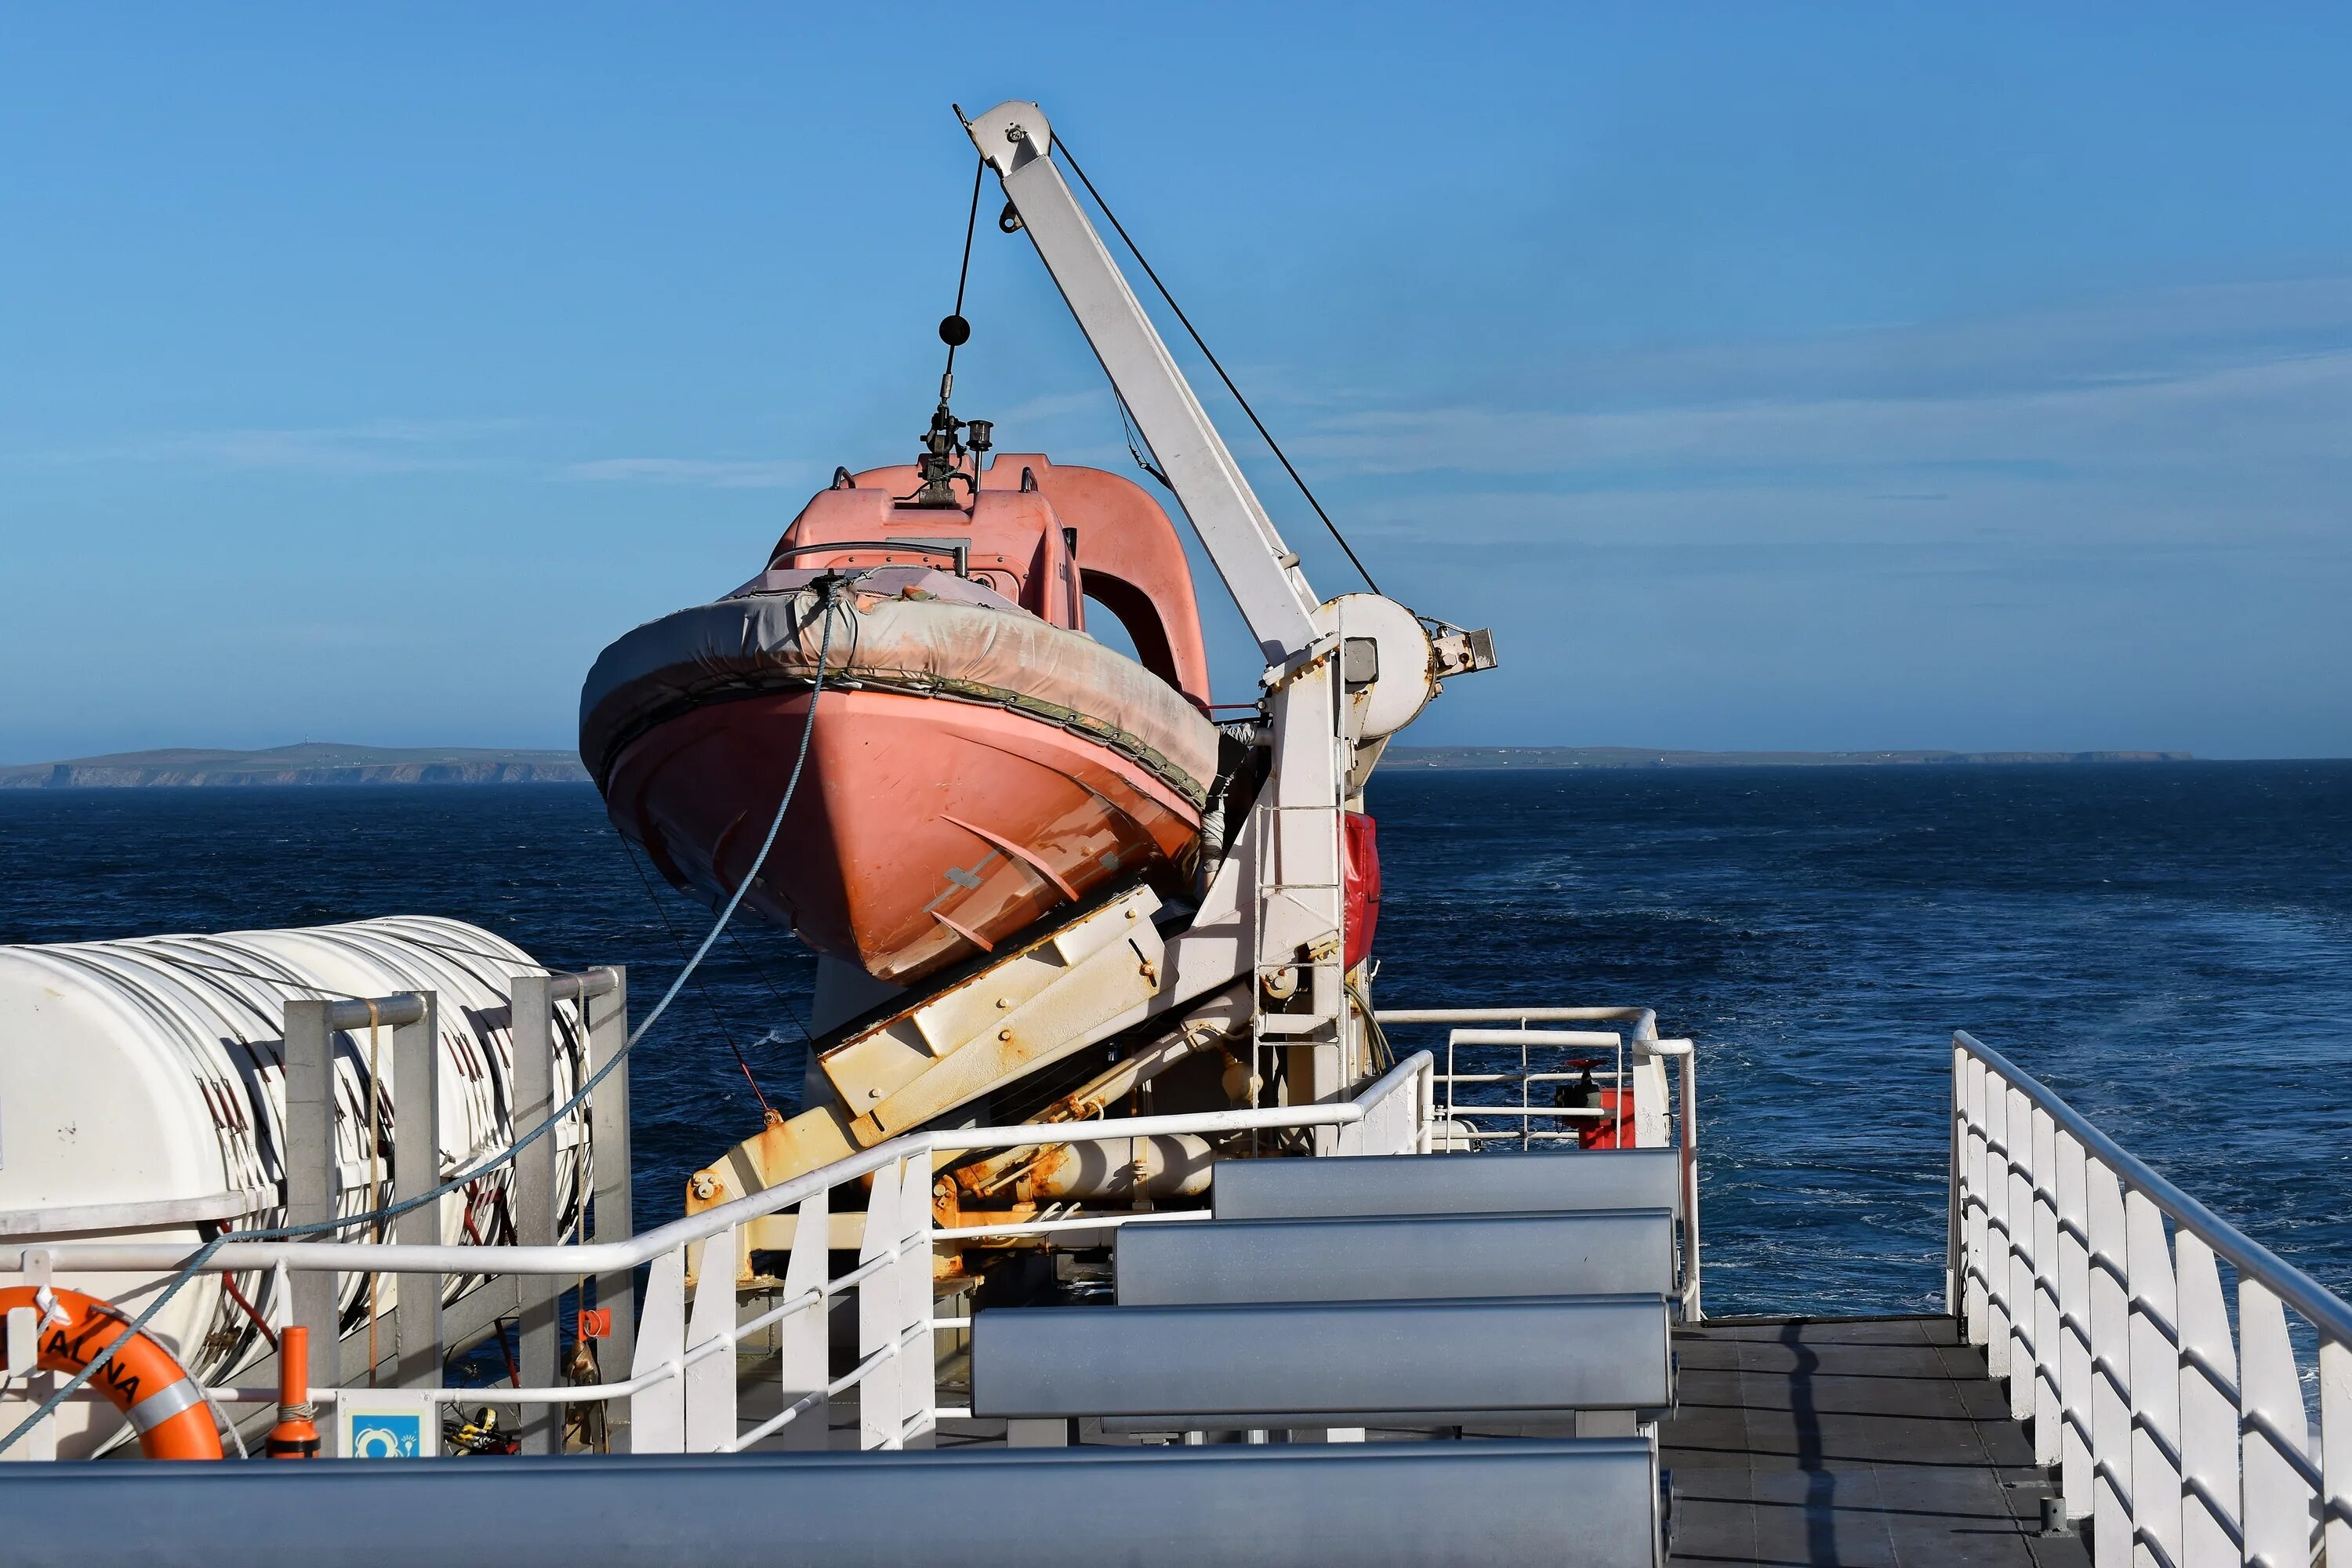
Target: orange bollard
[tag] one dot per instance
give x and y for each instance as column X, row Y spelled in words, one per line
column 295, row 1436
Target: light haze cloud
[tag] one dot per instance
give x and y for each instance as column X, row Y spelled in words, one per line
column 786, row 473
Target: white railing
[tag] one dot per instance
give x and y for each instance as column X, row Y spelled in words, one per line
column 682, row 1390
column 2183, row 1447
column 1452, row 1119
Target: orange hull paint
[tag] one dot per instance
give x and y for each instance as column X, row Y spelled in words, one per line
column 924, row 830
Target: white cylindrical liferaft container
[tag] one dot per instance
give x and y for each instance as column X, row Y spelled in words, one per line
column 143, row 1097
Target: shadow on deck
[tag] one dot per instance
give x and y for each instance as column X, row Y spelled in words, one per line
column 1850, row 1440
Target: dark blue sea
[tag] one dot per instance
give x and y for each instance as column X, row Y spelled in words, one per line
column 2169, row 946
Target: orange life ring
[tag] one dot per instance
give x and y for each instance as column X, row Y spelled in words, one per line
column 141, row 1377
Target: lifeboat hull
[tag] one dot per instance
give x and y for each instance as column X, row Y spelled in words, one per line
column 971, row 767
column 923, row 830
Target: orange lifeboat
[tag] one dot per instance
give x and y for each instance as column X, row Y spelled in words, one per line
column 977, row 761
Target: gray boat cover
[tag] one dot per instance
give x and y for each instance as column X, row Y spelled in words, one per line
column 911, row 629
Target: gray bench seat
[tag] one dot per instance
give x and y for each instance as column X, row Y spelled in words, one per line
column 1390, row 1258
column 1589, row 1503
column 1323, row 1365
column 1448, row 1184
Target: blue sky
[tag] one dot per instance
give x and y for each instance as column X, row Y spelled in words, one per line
column 1801, row 376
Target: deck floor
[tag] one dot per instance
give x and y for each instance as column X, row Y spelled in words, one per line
column 1850, row 1440
column 1806, row 1441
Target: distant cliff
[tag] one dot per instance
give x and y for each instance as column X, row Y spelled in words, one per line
column 1635, row 757
column 327, row 763
column 311, row 762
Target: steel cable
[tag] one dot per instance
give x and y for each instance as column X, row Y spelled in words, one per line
column 678, row 944
column 1062, row 146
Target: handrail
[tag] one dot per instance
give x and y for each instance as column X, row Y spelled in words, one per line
column 611, row 1257
column 1645, row 1019
column 2171, row 1422
column 2326, row 1310
column 1644, row 1043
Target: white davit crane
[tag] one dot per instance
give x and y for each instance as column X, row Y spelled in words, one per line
column 1342, row 677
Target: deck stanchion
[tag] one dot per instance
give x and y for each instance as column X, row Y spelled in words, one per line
column 919, row 1389
column 309, row 1167
column 2208, row 1412
column 2019, row 1137
column 879, row 1417
column 1954, row 1280
column 2111, row 1433
column 1996, row 1252
column 2335, row 1450
column 416, row 1169
column 657, row 1412
column 2154, row 1378
column 2275, row 1432
column 710, row 1421
column 1975, row 1246
column 27, row 1386
column 2075, row 1379
column 801, row 1337
column 541, row 1426
column 2048, row 1333
column 608, row 1019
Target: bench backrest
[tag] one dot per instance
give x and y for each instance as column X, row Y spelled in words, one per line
column 1324, row 1363
column 1448, row 1184
column 1588, row 1501
column 1389, row 1258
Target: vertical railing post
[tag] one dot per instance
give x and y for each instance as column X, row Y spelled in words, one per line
column 2049, row 1420
column 1686, row 1084
column 657, row 1413
column 416, row 1170
column 1527, row 1122
column 879, row 1417
column 1954, row 1305
column 27, row 1386
column 533, row 1032
column 2208, row 1412
column 2336, row 1448
column 2155, row 1380
column 607, row 1019
column 919, row 1387
column 2278, row 1511
column 1975, row 1246
column 711, row 1424
column 1998, row 1298
column 801, row 1337
column 309, row 1164
column 1428, row 1107
column 2111, row 1431
column 2022, row 1357
column 2076, row 1381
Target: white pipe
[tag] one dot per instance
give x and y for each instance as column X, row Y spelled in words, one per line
column 1643, row 1016
column 1597, row 1038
